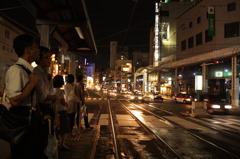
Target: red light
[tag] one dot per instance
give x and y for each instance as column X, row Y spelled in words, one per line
column 215, row 61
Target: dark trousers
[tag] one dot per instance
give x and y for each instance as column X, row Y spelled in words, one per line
column 78, row 116
column 33, row 145
column 71, row 117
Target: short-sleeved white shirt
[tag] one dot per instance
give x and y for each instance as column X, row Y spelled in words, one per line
column 16, row 79
column 60, row 95
column 72, row 106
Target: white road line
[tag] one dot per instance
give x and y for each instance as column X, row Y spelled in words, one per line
column 185, row 123
column 126, row 120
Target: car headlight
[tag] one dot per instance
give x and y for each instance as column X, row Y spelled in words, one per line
column 216, row 106
column 140, row 98
column 188, row 99
column 131, row 97
column 228, row 107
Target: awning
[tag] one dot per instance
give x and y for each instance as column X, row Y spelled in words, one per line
column 70, row 18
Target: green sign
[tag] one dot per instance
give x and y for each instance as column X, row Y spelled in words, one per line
column 211, row 21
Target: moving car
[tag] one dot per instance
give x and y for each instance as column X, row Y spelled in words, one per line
column 153, row 97
column 184, row 98
column 217, row 105
column 135, row 96
column 157, row 97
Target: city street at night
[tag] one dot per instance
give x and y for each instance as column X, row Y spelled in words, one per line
column 120, row 79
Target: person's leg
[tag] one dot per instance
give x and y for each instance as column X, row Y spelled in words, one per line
column 77, row 116
column 71, row 121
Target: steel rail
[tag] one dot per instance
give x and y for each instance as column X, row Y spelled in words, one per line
column 115, row 145
column 197, row 122
column 143, row 125
column 190, row 132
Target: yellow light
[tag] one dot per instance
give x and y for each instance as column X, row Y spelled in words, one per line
column 53, row 57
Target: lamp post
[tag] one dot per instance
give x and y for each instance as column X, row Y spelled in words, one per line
column 198, row 84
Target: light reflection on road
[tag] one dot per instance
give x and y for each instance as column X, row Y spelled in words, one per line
column 138, row 114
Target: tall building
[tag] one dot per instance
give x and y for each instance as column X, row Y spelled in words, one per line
column 113, row 53
column 139, row 59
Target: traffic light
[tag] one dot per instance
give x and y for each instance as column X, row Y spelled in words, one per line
column 217, row 61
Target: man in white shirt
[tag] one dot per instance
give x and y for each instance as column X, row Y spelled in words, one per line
column 19, row 89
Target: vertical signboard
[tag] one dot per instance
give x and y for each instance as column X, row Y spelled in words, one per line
column 211, row 21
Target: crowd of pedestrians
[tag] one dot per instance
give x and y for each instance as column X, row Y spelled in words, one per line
column 47, row 98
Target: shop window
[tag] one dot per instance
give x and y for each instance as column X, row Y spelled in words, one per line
column 190, row 42
column 231, row 7
column 183, row 45
column 207, row 37
column 199, row 39
column 231, row 30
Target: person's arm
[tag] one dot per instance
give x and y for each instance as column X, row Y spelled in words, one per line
column 26, row 92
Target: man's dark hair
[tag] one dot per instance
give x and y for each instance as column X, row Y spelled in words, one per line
column 43, row 50
column 21, row 42
column 58, row 81
column 70, row 78
column 79, row 78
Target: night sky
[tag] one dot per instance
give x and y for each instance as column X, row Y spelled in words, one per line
column 125, row 21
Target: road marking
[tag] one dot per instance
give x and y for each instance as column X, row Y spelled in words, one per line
column 139, row 137
column 152, row 121
column 185, row 123
column 126, row 120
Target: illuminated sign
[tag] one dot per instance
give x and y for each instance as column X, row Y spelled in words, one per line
column 218, row 74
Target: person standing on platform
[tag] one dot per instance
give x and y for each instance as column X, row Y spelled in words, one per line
column 61, row 107
column 72, row 105
column 83, row 112
column 44, row 92
column 20, row 92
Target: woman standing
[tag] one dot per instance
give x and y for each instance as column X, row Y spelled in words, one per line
column 62, row 112
column 72, row 105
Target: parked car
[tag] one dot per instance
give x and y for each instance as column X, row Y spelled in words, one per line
column 184, row 98
column 217, row 105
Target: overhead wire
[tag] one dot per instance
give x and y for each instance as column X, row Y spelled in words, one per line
column 129, row 23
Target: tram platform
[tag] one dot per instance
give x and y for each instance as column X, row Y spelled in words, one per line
column 81, row 145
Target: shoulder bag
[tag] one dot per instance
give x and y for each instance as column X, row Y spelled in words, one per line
column 13, row 129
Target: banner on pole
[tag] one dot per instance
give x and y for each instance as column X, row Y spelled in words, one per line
column 211, row 21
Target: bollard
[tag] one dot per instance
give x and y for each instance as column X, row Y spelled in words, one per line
column 199, row 110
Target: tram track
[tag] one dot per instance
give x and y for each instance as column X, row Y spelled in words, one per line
column 198, row 121
column 165, row 150
column 203, row 138
column 169, row 143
